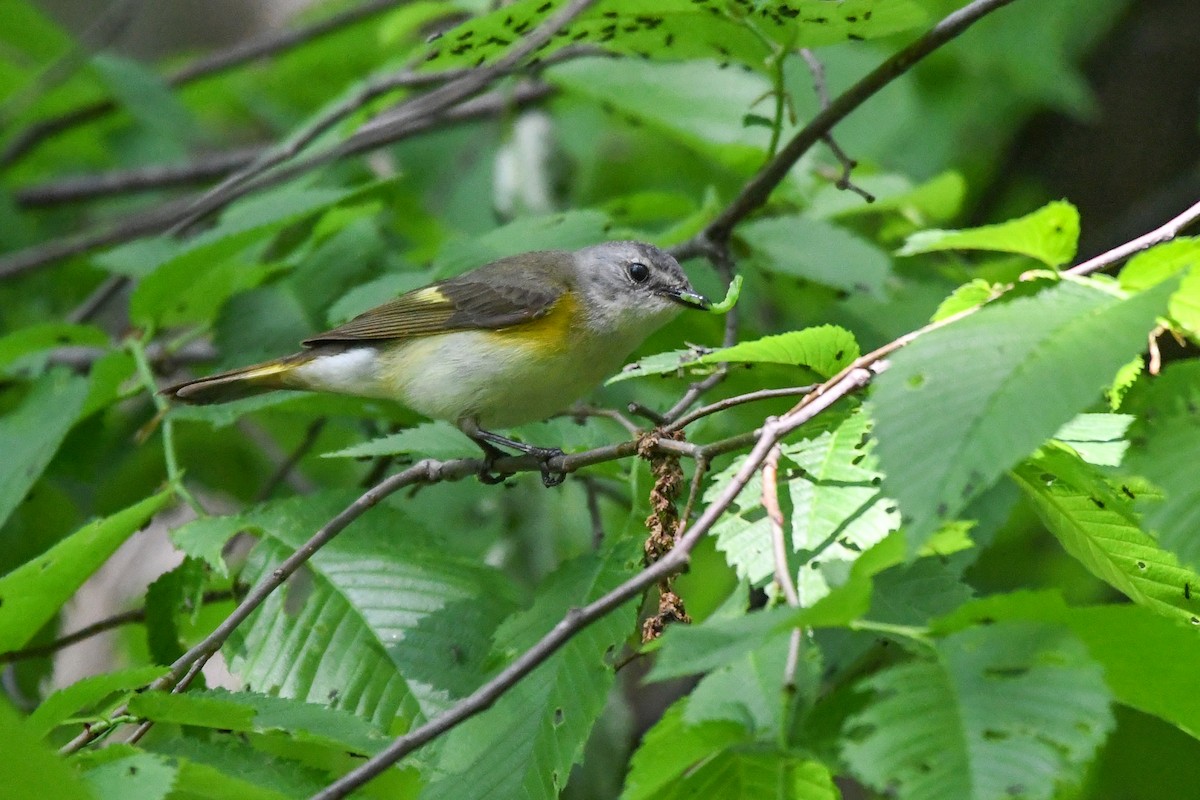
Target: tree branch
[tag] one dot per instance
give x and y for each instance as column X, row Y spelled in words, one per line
column 758, row 189
column 160, row 218
column 241, row 53
column 1163, row 233
column 96, row 628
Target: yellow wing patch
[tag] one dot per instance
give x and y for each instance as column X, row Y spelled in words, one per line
column 550, row 331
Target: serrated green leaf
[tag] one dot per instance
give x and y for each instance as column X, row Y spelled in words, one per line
column 661, row 363
column 836, row 510
column 677, row 29
column 33, row 593
column 826, row 349
column 226, row 769
column 256, row 713
column 1006, row 710
column 1148, row 659
column 1159, row 263
column 368, row 628
column 1097, row 525
column 969, row 295
column 964, row 402
column 939, row 198
column 1097, row 438
column 1163, row 262
column 526, row 744
column 84, row 694
column 144, row 776
column 1049, row 235
column 818, row 251
column 1125, row 379
column 721, row 759
column 1165, row 446
column 32, row 432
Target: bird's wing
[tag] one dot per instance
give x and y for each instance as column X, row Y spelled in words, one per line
column 502, row 294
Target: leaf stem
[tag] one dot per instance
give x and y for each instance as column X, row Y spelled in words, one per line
column 174, row 473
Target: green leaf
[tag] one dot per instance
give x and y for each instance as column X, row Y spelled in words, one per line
column 826, row 349
column 1006, row 710
column 225, row 768
column 1049, row 235
column 38, row 338
column 381, row 624
column 661, row 363
column 694, row 103
column 836, row 510
column 970, row 295
column 950, row 421
column 247, row 712
column 32, row 432
column 85, row 694
column 818, row 251
column 1097, row 438
column 1149, row 660
column 33, row 593
column 429, row 440
column 31, row 770
column 143, row 776
column 570, row 230
column 722, row 759
column 189, row 283
column 722, row 640
column 1165, row 447
column 677, row 29
column 526, row 744
column 1163, row 262
column 939, row 198
column 1097, row 525
column 148, row 99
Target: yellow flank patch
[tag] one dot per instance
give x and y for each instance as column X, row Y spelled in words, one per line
column 549, row 332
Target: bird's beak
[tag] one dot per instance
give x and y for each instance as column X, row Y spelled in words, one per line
column 686, row 297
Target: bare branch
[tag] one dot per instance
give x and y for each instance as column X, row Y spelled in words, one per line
column 160, row 176
column 252, row 49
column 160, row 218
column 96, row 628
column 817, row 69
column 1163, row 233
column 756, row 191
column 730, row 402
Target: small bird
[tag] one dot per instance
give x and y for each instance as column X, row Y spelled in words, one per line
column 511, row 342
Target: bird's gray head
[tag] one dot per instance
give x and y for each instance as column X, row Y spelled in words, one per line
column 632, row 286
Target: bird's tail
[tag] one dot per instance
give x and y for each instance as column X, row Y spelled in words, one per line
column 238, row 383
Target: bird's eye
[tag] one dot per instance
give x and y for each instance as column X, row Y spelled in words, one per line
column 639, row 272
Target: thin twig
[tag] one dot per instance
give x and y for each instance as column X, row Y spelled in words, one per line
column 285, row 468
column 1162, row 233
column 378, row 132
column 758, row 189
column 817, row 70
column 75, row 188
column 779, row 551
column 591, row 492
column 96, row 628
column 737, row 400
column 268, row 44
column 160, row 218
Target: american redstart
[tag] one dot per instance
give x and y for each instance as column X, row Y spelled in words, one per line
column 510, row 342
